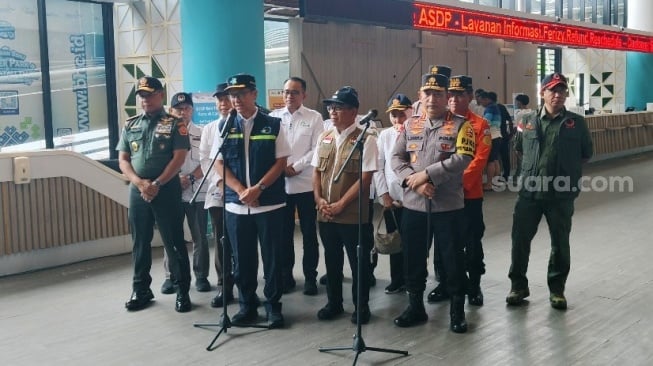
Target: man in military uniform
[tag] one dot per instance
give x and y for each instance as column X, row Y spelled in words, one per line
column 461, row 94
column 254, row 158
column 554, row 144
column 337, row 202
column 429, row 158
column 152, row 149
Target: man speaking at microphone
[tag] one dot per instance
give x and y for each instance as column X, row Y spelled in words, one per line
column 254, row 157
column 337, row 201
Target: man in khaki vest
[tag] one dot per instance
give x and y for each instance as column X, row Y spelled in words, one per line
column 337, row 202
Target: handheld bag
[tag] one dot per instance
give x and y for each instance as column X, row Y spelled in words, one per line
column 387, row 243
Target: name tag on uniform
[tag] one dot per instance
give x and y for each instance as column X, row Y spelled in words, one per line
column 161, row 128
column 327, row 140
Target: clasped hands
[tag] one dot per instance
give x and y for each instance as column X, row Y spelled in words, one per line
column 420, row 183
column 249, row 196
column 329, row 210
column 148, row 190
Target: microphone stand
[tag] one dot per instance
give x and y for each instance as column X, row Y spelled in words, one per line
column 225, row 322
column 359, row 345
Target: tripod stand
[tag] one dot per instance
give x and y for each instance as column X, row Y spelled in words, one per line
column 359, row 345
column 225, row 322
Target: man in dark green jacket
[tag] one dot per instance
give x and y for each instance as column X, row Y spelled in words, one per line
column 554, row 144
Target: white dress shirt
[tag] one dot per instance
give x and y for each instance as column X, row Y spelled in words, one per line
column 385, row 179
column 281, row 150
column 302, row 130
column 213, row 181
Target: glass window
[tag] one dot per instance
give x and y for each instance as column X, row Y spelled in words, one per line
column 77, row 73
column 550, row 8
column 494, row 3
column 21, row 103
column 589, row 5
column 536, row 7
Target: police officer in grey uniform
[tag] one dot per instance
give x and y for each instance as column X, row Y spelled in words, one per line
column 429, row 158
column 152, row 149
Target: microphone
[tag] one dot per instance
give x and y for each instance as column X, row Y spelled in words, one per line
column 228, row 123
column 368, row 117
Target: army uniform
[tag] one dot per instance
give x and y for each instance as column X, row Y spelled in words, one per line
column 554, row 148
column 150, row 142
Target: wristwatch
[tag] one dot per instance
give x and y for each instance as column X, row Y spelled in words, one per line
column 156, row 183
column 262, row 187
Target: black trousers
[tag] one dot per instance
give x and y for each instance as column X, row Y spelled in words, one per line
column 474, row 230
column 397, row 259
column 447, row 228
column 245, row 232
column 166, row 210
column 225, row 275
column 305, row 206
column 504, row 152
column 334, row 237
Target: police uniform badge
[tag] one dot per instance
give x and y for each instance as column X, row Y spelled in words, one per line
column 183, row 130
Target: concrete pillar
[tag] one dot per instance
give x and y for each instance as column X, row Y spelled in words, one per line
column 221, row 38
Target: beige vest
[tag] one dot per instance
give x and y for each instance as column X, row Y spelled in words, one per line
column 330, row 162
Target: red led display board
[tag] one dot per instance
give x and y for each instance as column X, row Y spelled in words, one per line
column 455, row 20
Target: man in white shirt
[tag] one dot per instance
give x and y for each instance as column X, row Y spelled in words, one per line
column 254, row 157
column 190, row 175
column 214, row 197
column 302, row 127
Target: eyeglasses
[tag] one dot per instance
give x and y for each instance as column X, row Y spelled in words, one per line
column 560, row 90
column 293, row 93
column 238, row 94
column 335, row 107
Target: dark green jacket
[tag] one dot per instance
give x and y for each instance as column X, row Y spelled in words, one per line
column 552, row 162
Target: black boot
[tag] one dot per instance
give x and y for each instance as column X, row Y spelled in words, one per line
column 457, row 314
column 414, row 313
column 474, row 293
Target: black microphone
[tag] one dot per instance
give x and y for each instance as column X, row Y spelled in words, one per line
column 369, row 116
column 228, row 124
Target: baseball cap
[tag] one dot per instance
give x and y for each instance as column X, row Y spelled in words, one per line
column 345, row 95
column 181, row 98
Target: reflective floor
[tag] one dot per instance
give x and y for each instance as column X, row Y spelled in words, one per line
column 74, row 315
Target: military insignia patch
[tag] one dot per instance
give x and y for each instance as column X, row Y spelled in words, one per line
column 182, row 129
column 134, row 146
column 570, row 123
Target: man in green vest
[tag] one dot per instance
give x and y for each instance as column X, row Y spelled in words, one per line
column 152, row 148
column 554, row 144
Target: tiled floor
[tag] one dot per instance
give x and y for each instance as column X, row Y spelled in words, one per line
column 74, row 315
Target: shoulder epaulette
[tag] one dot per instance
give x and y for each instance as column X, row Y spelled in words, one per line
column 129, row 121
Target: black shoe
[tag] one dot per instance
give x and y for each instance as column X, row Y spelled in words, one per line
column 476, row 298
column 275, row 318
column 288, row 284
column 182, row 304
column 458, row 323
column 372, row 280
column 438, row 294
column 202, row 285
column 395, row 288
column 410, row 317
column 139, row 300
column 323, row 280
column 329, row 312
column 245, row 316
column 168, row 288
column 365, row 314
column 310, row 288
column 217, row 301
